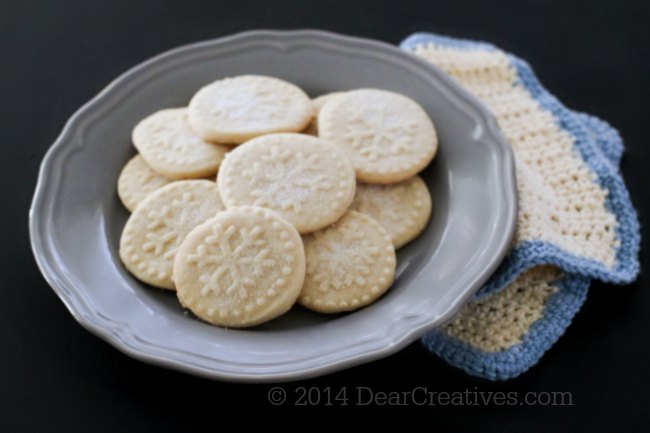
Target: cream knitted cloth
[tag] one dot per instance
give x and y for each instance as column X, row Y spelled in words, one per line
column 575, row 219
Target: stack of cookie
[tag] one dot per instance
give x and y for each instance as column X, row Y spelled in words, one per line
column 310, row 202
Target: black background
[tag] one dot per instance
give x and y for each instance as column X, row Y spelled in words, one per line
column 55, row 376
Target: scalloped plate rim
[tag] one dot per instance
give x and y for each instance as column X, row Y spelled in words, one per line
column 123, row 339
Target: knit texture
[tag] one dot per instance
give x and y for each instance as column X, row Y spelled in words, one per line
column 575, row 221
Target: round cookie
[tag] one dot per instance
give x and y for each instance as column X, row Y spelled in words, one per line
column 349, row 265
column 170, row 147
column 159, row 224
column 388, row 136
column 237, row 109
column 137, row 180
column 403, row 208
column 307, row 181
column 319, row 103
column 241, row 268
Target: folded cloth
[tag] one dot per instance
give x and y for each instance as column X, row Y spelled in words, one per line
column 575, row 223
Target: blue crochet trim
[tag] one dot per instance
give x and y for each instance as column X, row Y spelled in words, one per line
column 601, row 148
column 560, row 309
column 455, row 43
column 626, row 266
column 605, row 136
column 601, row 156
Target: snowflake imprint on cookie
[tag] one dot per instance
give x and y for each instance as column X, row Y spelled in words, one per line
column 403, row 208
column 305, row 179
column 170, row 147
column 244, row 266
column 349, row 264
column 336, row 270
column 237, row 109
column 286, row 179
column 376, row 133
column 162, row 235
column 252, row 103
column 175, row 138
column 234, row 270
column 158, row 225
column 388, row 137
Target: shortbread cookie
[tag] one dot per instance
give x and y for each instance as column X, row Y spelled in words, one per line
column 319, row 103
column 159, row 224
column 403, row 208
column 307, row 181
column 237, row 109
column 170, row 147
column 349, row 265
column 241, row 268
column 388, row 137
column 137, row 180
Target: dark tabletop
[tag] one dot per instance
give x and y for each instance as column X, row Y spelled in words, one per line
column 55, row 376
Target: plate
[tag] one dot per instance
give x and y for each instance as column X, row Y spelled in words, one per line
column 76, row 217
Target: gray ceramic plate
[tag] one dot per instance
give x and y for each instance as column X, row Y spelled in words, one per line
column 76, row 218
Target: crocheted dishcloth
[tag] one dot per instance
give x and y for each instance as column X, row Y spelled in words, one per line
column 575, row 221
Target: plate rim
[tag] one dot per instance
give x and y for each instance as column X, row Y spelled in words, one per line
column 120, row 336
